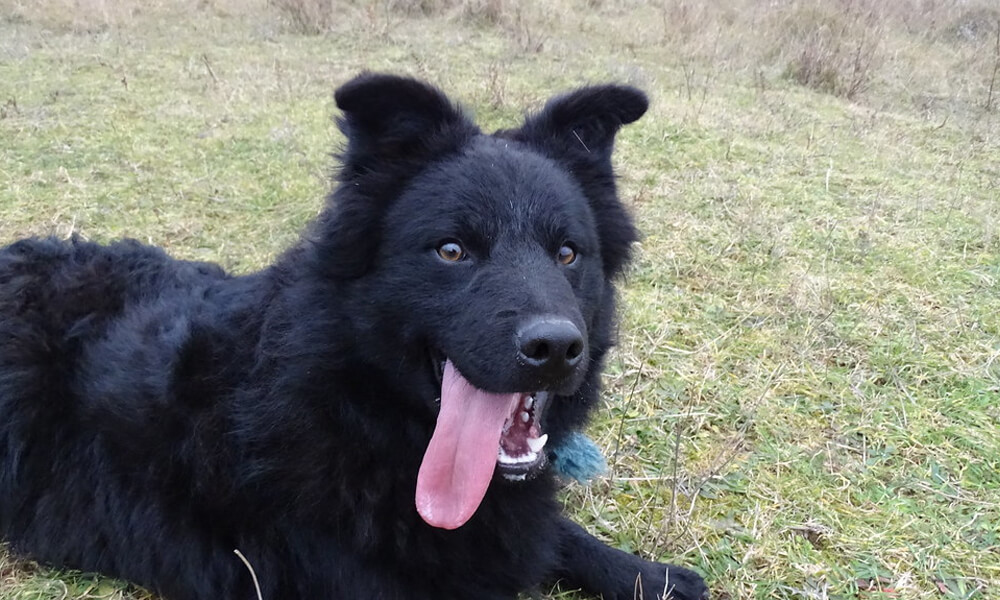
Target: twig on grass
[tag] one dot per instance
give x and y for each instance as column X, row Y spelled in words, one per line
column 211, row 71
column 996, row 69
column 621, row 423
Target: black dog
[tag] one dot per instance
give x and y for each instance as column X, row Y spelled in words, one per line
column 363, row 419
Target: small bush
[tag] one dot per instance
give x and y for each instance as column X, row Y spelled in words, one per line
column 310, row 17
column 489, row 12
column 313, row 17
column 977, row 24
column 834, row 46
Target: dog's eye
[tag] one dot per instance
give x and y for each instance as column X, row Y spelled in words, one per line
column 451, row 251
column 567, row 255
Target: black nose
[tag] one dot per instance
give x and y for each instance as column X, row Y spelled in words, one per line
column 553, row 347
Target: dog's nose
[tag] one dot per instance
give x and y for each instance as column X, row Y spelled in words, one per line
column 554, row 347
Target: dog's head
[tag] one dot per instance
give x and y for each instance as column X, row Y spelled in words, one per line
column 479, row 268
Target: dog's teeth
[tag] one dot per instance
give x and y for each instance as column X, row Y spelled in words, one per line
column 529, row 402
column 505, row 458
column 536, row 444
column 525, row 417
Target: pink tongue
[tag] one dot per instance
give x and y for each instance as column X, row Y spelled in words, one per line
column 462, row 454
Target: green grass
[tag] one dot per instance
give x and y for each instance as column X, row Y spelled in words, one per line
column 805, row 397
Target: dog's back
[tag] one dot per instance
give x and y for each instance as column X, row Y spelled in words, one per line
column 56, row 294
column 64, row 305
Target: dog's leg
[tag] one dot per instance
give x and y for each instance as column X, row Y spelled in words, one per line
column 586, row 562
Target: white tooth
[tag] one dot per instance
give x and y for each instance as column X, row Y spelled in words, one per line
column 525, row 417
column 529, row 402
column 504, row 458
column 536, row 444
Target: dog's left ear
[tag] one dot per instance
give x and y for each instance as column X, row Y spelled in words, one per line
column 578, row 130
column 584, row 122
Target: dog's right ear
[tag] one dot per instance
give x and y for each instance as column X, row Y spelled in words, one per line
column 391, row 120
column 395, row 126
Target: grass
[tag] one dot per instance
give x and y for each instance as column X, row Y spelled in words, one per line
column 804, row 400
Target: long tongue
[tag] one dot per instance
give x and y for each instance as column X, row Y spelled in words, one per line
column 462, row 454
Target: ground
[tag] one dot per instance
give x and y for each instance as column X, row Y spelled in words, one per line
column 804, row 401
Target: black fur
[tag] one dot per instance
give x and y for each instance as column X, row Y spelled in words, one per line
column 157, row 414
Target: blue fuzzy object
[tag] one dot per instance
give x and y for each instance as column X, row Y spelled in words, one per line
column 578, row 457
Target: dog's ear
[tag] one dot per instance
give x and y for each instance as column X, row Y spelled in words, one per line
column 578, row 130
column 389, row 118
column 585, row 121
column 395, row 126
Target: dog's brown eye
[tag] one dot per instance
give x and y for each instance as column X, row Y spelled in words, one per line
column 567, row 255
column 451, row 251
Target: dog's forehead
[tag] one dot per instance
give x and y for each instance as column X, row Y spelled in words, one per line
column 495, row 187
column 503, row 148
column 514, row 170
column 510, row 180
column 495, row 175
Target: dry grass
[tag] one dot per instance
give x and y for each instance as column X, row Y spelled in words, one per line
column 803, row 404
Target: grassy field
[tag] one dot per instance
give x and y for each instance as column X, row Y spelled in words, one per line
column 804, row 403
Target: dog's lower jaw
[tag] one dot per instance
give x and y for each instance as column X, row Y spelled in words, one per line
column 521, row 454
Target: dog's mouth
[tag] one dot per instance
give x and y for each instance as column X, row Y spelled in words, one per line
column 521, row 452
column 477, row 433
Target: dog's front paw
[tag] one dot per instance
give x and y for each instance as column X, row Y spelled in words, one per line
column 612, row 574
column 668, row 582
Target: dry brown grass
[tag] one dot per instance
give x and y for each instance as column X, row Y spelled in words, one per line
column 309, row 17
column 923, row 53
